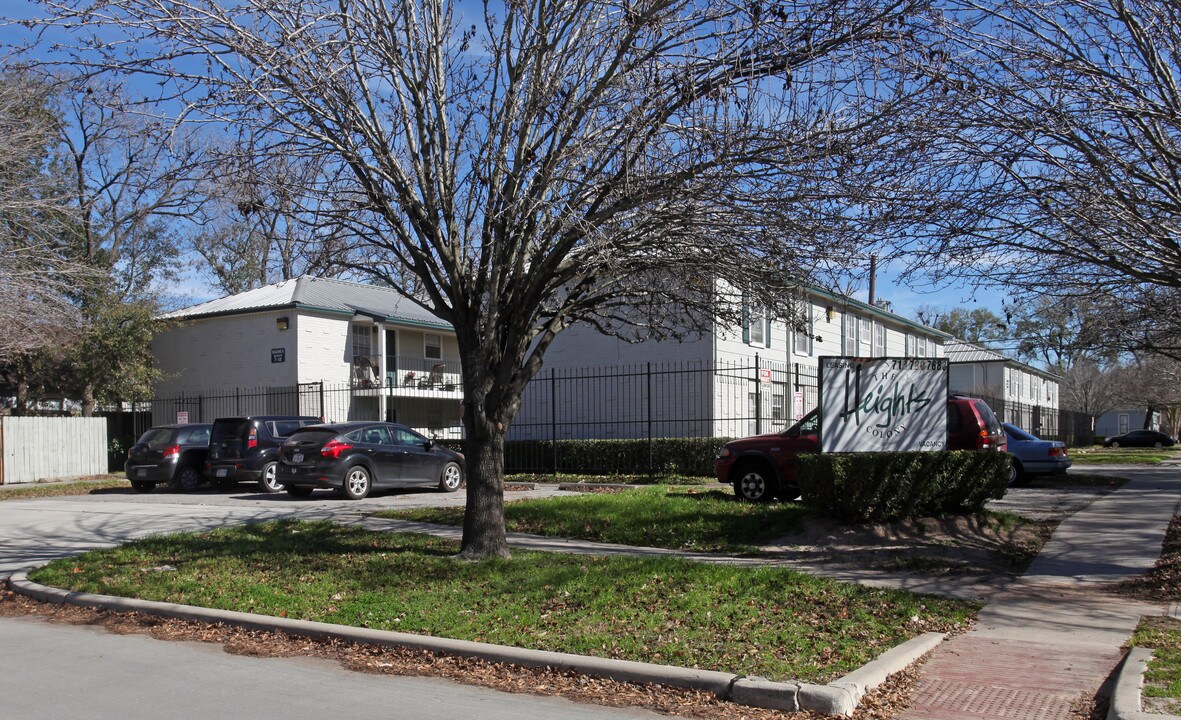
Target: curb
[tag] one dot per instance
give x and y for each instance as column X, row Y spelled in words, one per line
column 838, row 698
column 1125, row 698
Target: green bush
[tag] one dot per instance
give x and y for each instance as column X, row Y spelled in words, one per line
column 889, row 486
column 671, row 456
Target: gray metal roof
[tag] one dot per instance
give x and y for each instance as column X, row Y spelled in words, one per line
column 961, row 351
column 319, row 294
column 958, row 350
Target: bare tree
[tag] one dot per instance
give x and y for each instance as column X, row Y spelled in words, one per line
column 34, row 274
column 1062, row 140
column 548, row 162
column 260, row 226
column 1090, row 388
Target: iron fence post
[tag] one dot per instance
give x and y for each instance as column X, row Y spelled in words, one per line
column 649, row 392
column 758, row 399
column 553, row 420
column 322, row 417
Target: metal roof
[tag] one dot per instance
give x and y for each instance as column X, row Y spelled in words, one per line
column 961, row 351
column 319, row 294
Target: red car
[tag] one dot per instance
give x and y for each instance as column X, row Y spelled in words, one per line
column 764, row 466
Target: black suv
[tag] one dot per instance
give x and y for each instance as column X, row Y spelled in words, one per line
column 247, row 448
column 171, row 454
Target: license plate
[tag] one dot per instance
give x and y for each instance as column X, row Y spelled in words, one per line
column 222, row 472
column 297, row 457
column 141, row 472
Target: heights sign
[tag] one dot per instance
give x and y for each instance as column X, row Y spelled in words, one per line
column 878, row 404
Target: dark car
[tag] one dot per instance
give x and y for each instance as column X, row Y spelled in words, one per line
column 1140, row 438
column 764, row 466
column 354, row 458
column 1034, row 456
column 168, row 454
column 247, row 448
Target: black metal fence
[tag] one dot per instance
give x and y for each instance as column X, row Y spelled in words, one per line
column 638, row 408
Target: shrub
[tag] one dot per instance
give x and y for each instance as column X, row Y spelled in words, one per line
column 889, row 486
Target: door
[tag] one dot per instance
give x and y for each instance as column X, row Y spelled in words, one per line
column 418, row 463
column 387, row 460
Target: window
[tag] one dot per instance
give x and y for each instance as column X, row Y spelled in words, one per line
column 879, row 340
column 362, row 340
column 434, row 347
column 908, row 342
column 758, row 336
column 756, row 324
column 864, row 337
column 802, row 339
column 850, row 345
column 920, row 346
column 777, row 406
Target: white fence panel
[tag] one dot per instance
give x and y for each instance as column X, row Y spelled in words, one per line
column 49, row 448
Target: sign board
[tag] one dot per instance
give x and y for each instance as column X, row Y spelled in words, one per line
column 765, row 376
column 182, row 417
column 879, row 404
column 278, row 355
column 798, row 404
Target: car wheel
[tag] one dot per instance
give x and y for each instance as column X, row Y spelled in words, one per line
column 755, row 482
column 188, row 478
column 298, row 491
column 141, row 486
column 356, row 483
column 1159, row 444
column 1016, row 473
column 268, row 482
column 451, row 478
column 1114, row 444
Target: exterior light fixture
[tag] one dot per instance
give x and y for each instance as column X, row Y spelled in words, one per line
column 282, row 323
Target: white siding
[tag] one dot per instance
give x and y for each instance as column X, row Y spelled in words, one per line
column 226, row 352
column 325, row 352
column 37, row 448
column 583, row 346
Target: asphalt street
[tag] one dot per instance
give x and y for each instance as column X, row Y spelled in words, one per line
column 55, row 671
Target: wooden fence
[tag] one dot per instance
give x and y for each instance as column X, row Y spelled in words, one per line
column 33, row 449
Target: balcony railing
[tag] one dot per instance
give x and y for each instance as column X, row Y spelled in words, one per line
column 372, row 371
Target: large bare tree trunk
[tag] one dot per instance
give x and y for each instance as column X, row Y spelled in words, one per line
column 483, row 522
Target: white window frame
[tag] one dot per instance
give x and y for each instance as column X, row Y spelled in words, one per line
column 427, row 345
column 879, row 340
column 864, row 337
column 849, row 341
column 758, row 325
column 359, row 332
column 801, row 340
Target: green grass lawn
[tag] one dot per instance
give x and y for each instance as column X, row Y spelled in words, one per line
column 763, row 621
column 662, row 479
column 1162, row 679
column 36, row 490
column 698, row 520
column 1120, row 456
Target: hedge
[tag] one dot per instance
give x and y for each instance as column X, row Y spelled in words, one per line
column 889, row 486
column 670, row 456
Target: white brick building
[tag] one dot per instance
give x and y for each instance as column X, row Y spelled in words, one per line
column 369, row 352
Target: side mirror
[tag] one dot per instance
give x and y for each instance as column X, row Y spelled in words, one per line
column 428, row 444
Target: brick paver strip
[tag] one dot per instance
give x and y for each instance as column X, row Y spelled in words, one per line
column 976, row 678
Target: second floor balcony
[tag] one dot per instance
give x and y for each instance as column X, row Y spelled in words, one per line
column 398, row 374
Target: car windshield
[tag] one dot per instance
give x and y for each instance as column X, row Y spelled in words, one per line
column 311, row 435
column 157, row 438
column 283, row 428
column 193, row 436
column 1018, row 433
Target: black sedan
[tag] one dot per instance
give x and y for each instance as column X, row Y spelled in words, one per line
column 168, row 454
column 1140, row 438
column 353, row 458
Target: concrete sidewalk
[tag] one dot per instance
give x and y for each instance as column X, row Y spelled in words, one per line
column 1049, row 640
